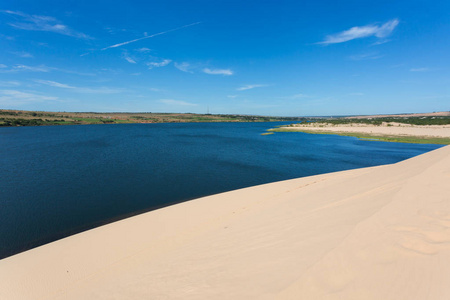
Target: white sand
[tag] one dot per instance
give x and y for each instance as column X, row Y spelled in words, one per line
column 373, row 233
column 396, row 129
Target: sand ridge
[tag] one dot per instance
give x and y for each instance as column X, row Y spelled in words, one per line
column 372, row 233
column 391, row 129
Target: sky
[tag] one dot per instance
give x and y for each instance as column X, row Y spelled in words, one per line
column 278, row 58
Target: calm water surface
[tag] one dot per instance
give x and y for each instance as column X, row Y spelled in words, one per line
column 60, row 180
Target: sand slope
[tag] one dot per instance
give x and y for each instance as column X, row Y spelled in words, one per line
column 426, row 131
column 374, row 233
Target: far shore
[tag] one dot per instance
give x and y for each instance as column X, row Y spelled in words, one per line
column 387, row 131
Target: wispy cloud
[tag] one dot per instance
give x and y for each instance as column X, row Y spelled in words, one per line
column 298, row 96
column 42, row 23
column 250, row 86
column 381, row 42
column 99, row 90
column 14, row 97
column 379, row 31
column 226, row 72
column 295, row 96
column 184, row 66
column 32, row 68
column 11, row 38
column 23, row 54
column 9, row 83
column 128, row 58
column 149, row 36
column 143, row 49
column 20, row 68
column 54, row 84
column 419, row 69
column 87, row 90
column 41, row 68
column 177, row 102
column 163, row 63
column 2, row 66
column 366, row 56
column 155, row 90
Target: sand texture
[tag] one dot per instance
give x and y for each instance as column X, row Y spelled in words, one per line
column 395, row 129
column 372, row 233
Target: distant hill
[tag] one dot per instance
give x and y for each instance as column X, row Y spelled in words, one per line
column 433, row 114
column 39, row 118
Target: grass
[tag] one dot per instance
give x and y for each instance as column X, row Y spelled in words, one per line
column 381, row 138
column 39, row 118
column 436, row 120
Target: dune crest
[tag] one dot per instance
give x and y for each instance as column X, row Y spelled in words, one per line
column 372, row 233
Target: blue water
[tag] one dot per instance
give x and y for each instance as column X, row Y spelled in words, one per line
column 60, row 180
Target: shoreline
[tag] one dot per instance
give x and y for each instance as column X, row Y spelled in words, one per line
column 341, row 235
column 388, row 132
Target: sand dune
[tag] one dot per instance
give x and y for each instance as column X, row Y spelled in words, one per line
column 396, row 129
column 373, row 233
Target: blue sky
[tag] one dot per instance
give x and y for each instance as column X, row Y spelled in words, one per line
column 286, row 58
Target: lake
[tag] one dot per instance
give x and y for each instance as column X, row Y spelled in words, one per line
column 59, row 180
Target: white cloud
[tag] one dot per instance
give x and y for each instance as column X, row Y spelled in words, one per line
column 155, row 90
column 381, row 42
column 31, row 68
column 232, row 96
column 419, row 69
column 366, row 56
column 100, row 90
column 23, row 54
column 3, row 66
column 379, row 31
column 54, row 84
column 218, row 71
column 184, row 66
column 9, row 83
column 250, row 86
column 14, row 97
column 143, row 49
column 41, row 68
column 42, row 23
column 128, row 58
column 297, row 96
column 149, row 36
column 164, row 63
column 19, row 68
column 87, row 90
column 176, row 102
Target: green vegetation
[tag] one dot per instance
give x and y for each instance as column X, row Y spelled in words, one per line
column 37, row 118
column 29, row 122
column 381, row 138
column 436, row 120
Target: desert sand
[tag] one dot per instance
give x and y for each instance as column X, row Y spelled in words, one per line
column 371, row 233
column 395, row 129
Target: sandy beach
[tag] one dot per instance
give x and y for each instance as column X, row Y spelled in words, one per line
column 371, row 233
column 391, row 129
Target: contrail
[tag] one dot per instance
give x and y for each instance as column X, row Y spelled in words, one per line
column 150, row 36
